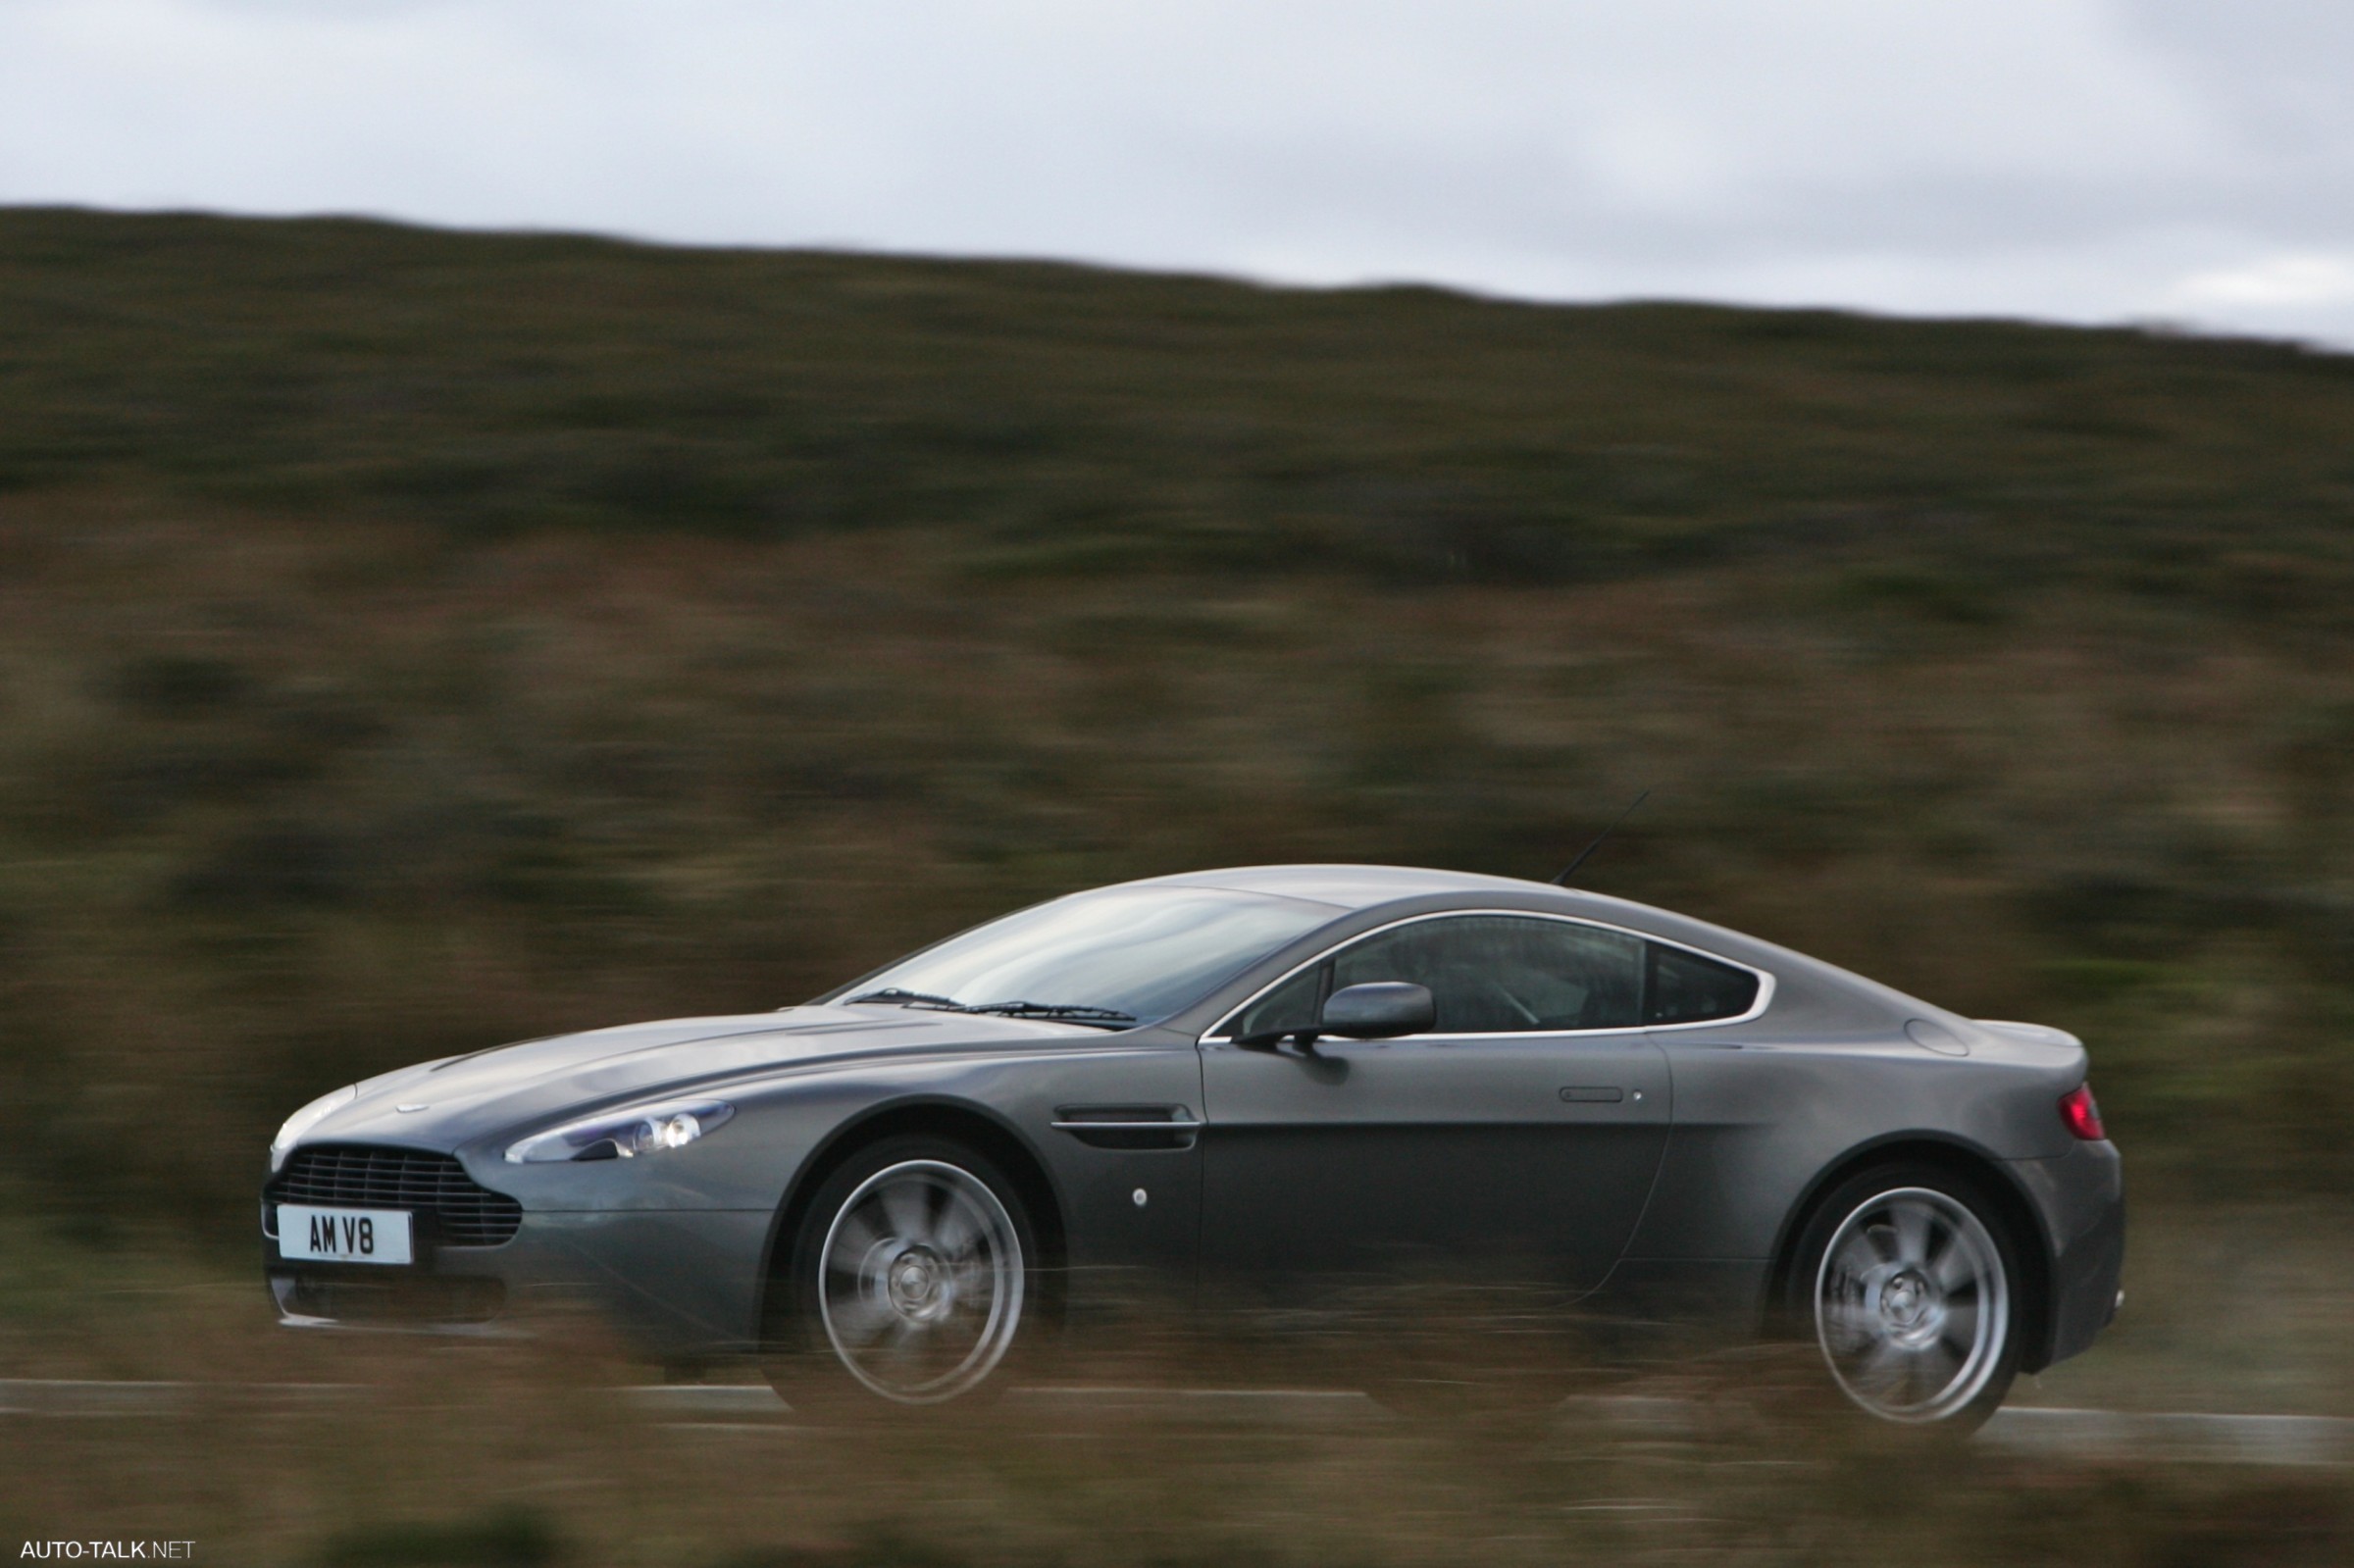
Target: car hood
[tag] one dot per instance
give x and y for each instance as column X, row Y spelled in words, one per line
column 445, row 1103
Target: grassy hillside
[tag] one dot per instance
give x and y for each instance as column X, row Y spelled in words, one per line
column 1059, row 417
column 410, row 641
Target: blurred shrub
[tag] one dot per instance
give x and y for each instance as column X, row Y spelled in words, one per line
column 507, row 1539
column 166, row 686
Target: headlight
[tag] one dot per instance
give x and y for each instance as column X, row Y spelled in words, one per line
column 308, row 1117
column 623, row 1135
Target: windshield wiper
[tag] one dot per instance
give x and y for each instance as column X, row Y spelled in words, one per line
column 1066, row 1012
column 898, row 996
column 1071, row 1012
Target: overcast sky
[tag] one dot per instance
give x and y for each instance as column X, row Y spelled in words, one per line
column 2086, row 160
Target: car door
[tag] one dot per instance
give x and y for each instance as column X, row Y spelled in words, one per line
column 1519, row 1137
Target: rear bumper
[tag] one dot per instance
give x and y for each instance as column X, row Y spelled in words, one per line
column 680, row 1284
column 2079, row 1198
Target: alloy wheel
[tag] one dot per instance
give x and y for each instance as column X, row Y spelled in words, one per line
column 1912, row 1305
column 921, row 1281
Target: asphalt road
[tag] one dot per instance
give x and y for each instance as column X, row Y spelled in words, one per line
column 2187, row 1437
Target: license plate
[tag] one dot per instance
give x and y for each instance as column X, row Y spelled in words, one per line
column 344, row 1236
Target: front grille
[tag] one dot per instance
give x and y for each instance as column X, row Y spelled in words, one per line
column 356, row 1176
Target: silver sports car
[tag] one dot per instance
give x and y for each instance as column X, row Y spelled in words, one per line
column 1272, row 1084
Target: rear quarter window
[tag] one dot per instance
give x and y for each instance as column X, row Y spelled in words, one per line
column 1687, row 989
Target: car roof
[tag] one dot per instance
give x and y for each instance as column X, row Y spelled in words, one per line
column 1351, row 890
column 1347, row 886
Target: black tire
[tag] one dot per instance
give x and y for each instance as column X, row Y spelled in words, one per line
column 1905, row 1280
column 931, row 1293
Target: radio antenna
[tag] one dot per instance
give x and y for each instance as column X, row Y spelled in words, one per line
column 1571, row 869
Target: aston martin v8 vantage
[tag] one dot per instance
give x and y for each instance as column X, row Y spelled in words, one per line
column 1269, row 1084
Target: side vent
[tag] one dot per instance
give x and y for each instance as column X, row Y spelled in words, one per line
column 1139, row 1128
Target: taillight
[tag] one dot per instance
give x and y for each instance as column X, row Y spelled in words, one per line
column 2082, row 1113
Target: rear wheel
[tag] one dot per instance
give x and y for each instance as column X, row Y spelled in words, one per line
column 1906, row 1279
column 910, row 1282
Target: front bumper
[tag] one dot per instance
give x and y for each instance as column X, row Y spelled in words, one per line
column 680, row 1284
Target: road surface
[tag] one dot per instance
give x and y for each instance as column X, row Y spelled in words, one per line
column 2188, row 1437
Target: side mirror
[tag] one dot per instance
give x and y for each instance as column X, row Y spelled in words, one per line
column 1381, row 1010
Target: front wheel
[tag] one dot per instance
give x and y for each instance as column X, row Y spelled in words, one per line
column 1906, row 1278
column 909, row 1282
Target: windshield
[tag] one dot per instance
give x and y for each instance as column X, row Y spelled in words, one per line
column 1141, row 953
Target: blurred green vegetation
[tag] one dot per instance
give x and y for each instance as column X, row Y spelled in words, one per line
column 411, row 640
column 412, row 1452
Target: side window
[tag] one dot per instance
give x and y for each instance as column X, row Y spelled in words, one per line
column 1687, row 989
column 1295, row 1004
column 1502, row 973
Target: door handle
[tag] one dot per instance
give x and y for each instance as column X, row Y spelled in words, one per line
column 1592, row 1094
